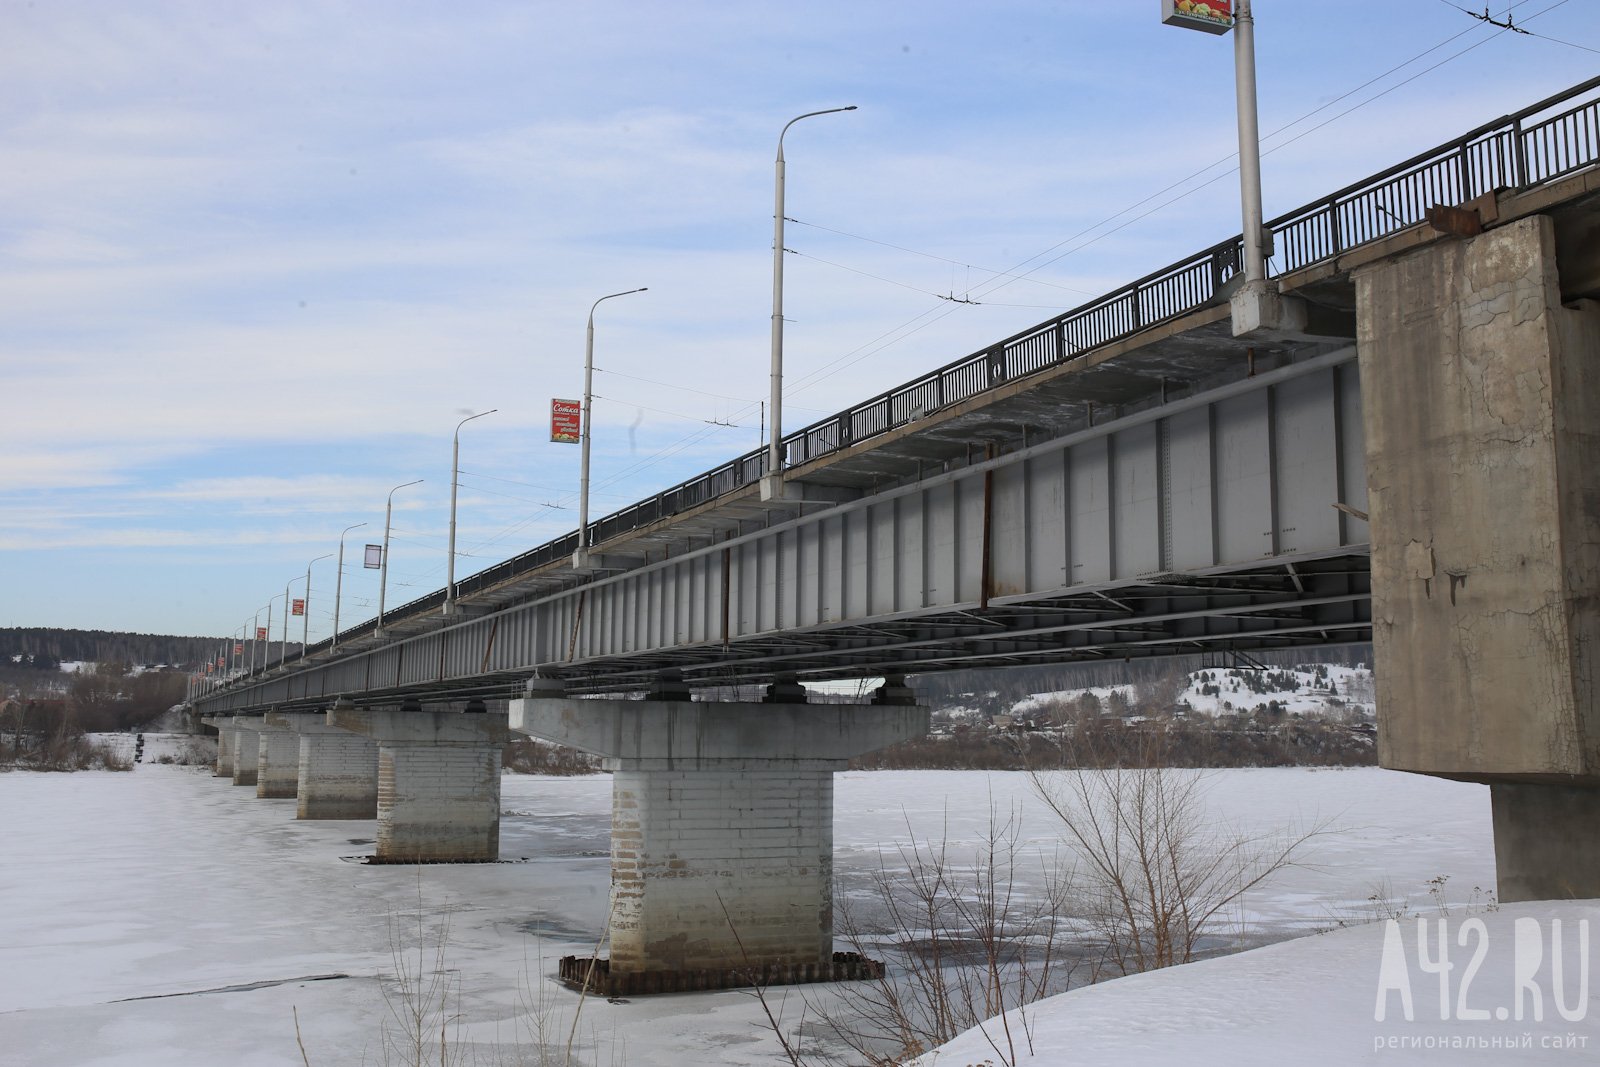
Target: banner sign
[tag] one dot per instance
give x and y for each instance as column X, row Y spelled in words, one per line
column 261, row 633
column 374, row 558
column 1212, row 16
column 299, row 607
column 566, row 421
column 238, row 648
column 221, row 662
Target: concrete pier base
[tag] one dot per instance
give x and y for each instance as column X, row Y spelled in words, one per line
column 1546, row 841
column 1478, row 389
column 226, row 738
column 722, row 823
column 277, row 760
column 246, row 749
column 337, row 771
column 438, row 798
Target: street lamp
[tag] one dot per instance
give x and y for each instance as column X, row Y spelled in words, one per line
column 1244, row 76
column 1257, row 306
column 338, row 585
column 455, row 477
column 773, row 479
column 580, row 558
column 255, row 639
column 267, row 651
column 305, row 619
column 283, row 641
column 383, row 570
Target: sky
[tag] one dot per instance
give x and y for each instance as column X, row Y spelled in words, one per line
column 257, row 261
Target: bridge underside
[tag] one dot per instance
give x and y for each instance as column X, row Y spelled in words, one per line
column 1284, row 603
column 1281, row 605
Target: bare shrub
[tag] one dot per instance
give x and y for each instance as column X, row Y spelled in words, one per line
column 68, row 750
column 542, row 757
column 195, row 752
column 1158, row 876
column 422, row 995
column 964, row 944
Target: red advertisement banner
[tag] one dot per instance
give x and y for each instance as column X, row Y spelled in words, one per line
column 566, row 421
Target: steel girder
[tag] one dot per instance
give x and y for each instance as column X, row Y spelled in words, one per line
column 1206, row 523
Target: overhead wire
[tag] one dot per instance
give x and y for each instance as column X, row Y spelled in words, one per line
column 916, row 325
column 662, row 411
column 928, row 255
column 1001, row 279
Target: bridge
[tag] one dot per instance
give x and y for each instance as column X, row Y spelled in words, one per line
column 1402, row 453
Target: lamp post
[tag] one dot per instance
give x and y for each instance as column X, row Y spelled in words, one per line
column 255, row 639
column 1244, row 78
column 1257, row 306
column 283, row 640
column 773, row 479
column 455, row 477
column 338, row 586
column 267, row 651
column 305, row 619
column 383, row 569
column 580, row 558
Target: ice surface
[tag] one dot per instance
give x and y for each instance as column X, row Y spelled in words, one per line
column 170, row 881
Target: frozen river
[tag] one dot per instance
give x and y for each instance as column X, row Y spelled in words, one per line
column 167, row 917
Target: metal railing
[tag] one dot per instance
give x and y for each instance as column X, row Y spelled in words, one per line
column 1525, row 149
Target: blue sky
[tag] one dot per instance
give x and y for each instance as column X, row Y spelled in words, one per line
column 257, row 260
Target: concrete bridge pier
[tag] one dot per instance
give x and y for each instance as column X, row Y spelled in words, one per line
column 722, row 824
column 1481, row 395
column 226, row 739
column 246, row 749
column 277, row 759
column 336, row 771
column 438, row 792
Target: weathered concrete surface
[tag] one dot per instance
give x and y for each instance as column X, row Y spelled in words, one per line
column 278, row 760
column 438, row 782
column 1482, row 412
column 1546, row 841
column 1483, row 467
column 722, row 821
column 246, row 749
column 662, row 732
column 336, row 771
column 226, row 738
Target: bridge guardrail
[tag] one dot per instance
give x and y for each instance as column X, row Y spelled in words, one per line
column 1518, row 151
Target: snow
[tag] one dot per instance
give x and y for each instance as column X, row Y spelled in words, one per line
column 169, row 883
column 1310, row 1001
column 1338, row 691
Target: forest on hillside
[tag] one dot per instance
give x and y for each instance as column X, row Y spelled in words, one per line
column 46, row 647
column 998, row 689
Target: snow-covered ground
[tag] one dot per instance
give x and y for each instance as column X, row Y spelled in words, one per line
column 166, row 917
column 1315, row 1000
column 1314, row 690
